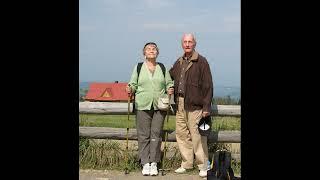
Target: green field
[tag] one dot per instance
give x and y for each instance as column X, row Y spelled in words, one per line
column 120, row 121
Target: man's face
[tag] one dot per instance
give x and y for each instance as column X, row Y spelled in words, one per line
column 188, row 44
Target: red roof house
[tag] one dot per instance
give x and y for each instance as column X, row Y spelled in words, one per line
column 107, row 92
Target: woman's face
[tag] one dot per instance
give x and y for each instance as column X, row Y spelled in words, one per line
column 150, row 51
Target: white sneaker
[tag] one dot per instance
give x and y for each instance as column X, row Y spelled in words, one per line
column 153, row 169
column 146, row 169
column 180, row 170
column 203, row 173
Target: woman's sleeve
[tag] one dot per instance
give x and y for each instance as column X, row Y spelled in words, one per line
column 169, row 81
column 134, row 79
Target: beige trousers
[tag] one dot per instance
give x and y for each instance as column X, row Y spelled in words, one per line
column 190, row 142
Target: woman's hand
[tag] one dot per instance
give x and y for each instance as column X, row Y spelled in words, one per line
column 128, row 89
column 170, row 90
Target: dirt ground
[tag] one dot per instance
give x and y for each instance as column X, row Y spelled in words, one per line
column 118, row 175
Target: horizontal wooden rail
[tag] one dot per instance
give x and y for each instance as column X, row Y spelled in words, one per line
column 120, row 134
column 121, row 108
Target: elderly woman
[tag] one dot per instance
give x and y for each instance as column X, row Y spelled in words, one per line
column 147, row 86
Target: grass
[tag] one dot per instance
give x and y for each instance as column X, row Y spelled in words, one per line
column 100, row 120
column 120, row 121
column 110, row 155
column 226, row 123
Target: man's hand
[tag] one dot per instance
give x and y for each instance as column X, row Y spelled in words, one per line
column 205, row 114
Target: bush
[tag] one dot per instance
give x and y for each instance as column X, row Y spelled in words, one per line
column 225, row 101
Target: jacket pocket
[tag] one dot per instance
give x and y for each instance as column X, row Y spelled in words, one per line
column 194, row 84
column 194, row 93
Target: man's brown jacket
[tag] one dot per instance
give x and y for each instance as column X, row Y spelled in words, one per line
column 198, row 83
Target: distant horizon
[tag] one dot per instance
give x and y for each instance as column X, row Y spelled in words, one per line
column 219, row 91
column 216, row 85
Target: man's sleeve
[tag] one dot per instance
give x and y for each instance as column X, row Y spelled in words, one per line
column 173, row 70
column 207, row 88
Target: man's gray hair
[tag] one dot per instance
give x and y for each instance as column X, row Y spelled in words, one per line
column 189, row 34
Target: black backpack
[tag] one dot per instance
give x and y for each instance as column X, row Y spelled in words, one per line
column 222, row 167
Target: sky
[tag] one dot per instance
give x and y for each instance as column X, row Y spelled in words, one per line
column 112, row 34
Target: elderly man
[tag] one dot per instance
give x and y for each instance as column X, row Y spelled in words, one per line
column 193, row 90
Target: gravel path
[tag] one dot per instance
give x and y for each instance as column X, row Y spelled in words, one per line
column 118, row 175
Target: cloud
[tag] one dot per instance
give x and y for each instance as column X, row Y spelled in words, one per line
column 145, row 4
column 232, row 19
column 113, row 2
column 87, row 28
column 232, row 23
column 154, row 4
column 163, row 26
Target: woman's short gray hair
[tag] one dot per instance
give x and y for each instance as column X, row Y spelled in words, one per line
column 150, row 43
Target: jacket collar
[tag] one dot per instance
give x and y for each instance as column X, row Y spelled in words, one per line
column 194, row 57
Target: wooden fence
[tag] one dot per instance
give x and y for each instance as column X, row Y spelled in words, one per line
column 113, row 108
column 122, row 109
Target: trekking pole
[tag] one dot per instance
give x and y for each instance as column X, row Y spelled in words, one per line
column 165, row 142
column 126, row 154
